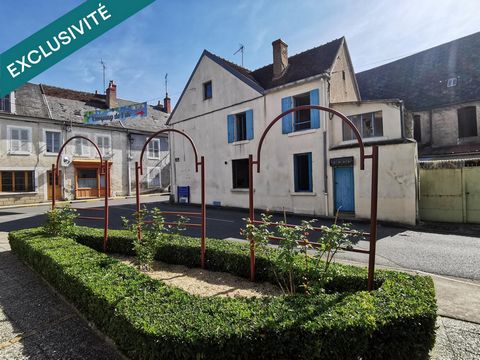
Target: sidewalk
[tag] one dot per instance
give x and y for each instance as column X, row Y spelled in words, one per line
column 35, row 323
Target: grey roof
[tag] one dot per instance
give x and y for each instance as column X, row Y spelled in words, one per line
column 421, row 79
column 70, row 105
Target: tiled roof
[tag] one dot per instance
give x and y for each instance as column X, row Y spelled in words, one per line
column 421, row 79
column 71, row 105
column 309, row 63
column 449, row 151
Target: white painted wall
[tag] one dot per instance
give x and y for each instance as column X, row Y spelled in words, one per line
column 274, row 185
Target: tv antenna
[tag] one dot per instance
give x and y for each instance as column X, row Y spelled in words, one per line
column 104, row 68
column 166, row 84
column 241, row 50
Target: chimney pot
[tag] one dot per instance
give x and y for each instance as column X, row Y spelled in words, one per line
column 111, row 98
column 280, row 58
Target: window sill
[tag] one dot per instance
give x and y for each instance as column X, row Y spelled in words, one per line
column 50, row 154
column 241, row 142
column 20, row 153
column 239, row 190
column 6, row 194
column 303, row 194
column 303, row 132
column 365, row 140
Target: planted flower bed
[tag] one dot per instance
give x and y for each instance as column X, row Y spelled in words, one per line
column 149, row 319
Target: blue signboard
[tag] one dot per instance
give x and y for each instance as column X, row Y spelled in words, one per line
column 116, row 114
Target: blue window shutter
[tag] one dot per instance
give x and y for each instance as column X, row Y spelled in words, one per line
column 315, row 114
column 231, row 128
column 310, row 180
column 249, row 115
column 287, row 120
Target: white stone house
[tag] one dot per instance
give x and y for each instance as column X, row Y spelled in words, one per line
column 35, row 121
column 309, row 163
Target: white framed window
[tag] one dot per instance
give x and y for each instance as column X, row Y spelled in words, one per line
column 82, row 147
column 19, row 140
column 104, row 143
column 53, row 141
column 154, row 177
column 154, row 149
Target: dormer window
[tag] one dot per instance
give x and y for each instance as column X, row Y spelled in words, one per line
column 207, row 90
column 452, row 82
column 5, row 104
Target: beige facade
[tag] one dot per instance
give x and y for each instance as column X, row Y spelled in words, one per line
column 29, row 146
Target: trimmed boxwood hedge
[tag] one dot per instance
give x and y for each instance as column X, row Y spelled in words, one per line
column 148, row 319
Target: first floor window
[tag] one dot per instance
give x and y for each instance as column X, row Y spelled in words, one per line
column 5, row 105
column 82, row 147
column 52, row 141
column 17, row 181
column 20, row 140
column 302, row 164
column 368, row 125
column 154, row 149
column 163, row 144
column 302, row 119
column 467, row 122
column 240, row 173
column 104, row 144
column 241, row 127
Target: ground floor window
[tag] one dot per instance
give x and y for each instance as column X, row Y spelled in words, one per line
column 154, row 177
column 87, row 178
column 240, row 173
column 17, row 181
column 302, row 164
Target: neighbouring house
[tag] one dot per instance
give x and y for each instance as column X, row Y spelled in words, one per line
column 310, row 165
column 36, row 120
column 440, row 88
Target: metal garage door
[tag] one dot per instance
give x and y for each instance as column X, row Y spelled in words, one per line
column 450, row 195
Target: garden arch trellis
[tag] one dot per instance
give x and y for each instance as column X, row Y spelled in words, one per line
column 198, row 164
column 103, row 168
column 373, row 196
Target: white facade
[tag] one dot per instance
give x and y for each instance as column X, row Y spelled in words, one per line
column 276, row 186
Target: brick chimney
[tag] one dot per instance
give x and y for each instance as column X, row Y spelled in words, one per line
column 280, row 58
column 167, row 105
column 111, row 99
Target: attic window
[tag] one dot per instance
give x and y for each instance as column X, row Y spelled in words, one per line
column 207, row 90
column 452, row 82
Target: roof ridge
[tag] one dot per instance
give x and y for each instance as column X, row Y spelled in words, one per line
column 229, row 62
column 63, row 88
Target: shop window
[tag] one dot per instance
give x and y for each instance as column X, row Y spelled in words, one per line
column 17, row 181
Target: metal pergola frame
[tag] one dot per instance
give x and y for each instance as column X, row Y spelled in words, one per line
column 104, row 170
column 202, row 214
column 373, row 195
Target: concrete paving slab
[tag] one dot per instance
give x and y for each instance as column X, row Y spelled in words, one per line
column 456, row 340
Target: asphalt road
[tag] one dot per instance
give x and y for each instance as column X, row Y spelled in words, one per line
column 429, row 250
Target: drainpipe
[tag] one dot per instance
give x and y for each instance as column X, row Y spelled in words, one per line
column 129, row 160
column 326, row 96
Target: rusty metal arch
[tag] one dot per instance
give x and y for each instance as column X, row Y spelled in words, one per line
column 374, row 184
column 202, row 213
column 104, row 170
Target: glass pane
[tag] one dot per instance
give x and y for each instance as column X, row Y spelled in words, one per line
column 378, row 124
column 20, row 181
column 347, row 132
column 7, row 181
column 87, row 183
column 367, row 125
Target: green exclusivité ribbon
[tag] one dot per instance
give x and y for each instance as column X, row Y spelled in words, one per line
column 61, row 38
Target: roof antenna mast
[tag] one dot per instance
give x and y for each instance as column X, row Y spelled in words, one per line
column 241, row 50
column 103, row 67
column 166, row 84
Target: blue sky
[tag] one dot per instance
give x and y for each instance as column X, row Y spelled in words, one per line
column 169, row 36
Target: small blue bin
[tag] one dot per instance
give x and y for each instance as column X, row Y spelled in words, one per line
column 183, row 194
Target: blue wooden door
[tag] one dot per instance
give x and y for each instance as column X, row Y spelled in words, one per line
column 344, row 189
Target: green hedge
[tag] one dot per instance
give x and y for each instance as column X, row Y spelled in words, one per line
column 148, row 319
